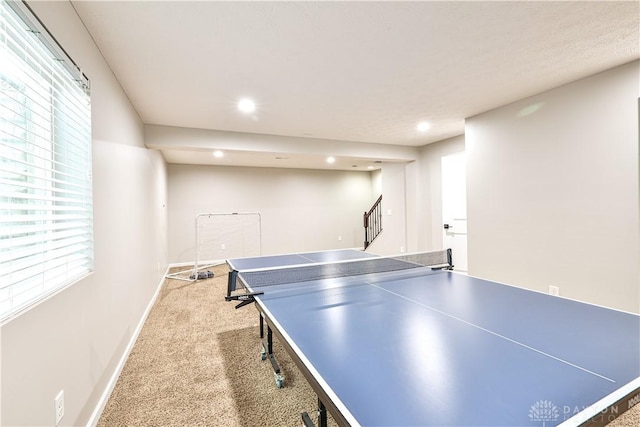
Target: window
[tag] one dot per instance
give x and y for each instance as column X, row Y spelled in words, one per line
column 46, row 210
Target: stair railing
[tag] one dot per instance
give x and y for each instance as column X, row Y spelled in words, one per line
column 373, row 222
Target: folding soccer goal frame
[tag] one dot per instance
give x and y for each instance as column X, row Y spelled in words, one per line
column 191, row 274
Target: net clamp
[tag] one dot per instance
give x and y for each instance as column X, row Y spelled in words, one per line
column 442, row 267
column 244, row 299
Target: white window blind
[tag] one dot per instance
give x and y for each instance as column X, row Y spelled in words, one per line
column 46, row 210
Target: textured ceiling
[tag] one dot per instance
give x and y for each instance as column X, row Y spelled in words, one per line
column 351, row 71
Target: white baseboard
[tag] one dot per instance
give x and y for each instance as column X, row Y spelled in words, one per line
column 102, row 402
column 201, row 263
column 180, row 264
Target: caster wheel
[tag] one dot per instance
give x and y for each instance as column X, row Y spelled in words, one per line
column 279, row 381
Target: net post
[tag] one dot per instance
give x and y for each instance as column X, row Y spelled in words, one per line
column 231, row 281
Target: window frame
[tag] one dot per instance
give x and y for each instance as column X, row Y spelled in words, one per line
column 46, row 222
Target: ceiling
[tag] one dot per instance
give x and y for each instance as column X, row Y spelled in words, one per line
column 348, row 71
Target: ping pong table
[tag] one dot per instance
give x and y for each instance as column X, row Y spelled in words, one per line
column 431, row 347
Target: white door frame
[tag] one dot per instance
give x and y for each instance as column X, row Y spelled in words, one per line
column 454, row 208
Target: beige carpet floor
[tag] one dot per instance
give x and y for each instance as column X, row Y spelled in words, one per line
column 196, row 363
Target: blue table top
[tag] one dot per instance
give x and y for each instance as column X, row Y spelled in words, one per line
column 423, row 347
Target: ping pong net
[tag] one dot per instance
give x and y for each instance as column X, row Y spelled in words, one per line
column 254, row 279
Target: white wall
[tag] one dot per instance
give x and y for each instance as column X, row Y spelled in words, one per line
column 430, row 191
column 552, row 185
column 413, row 193
column 376, row 184
column 393, row 238
column 302, row 210
column 76, row 339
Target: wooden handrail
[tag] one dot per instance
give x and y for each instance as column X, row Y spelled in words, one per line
column 373, row 222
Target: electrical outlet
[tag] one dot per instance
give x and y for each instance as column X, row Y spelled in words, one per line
column 554, row 290
column 59, row 406
column 339, row 238
column 223, row 246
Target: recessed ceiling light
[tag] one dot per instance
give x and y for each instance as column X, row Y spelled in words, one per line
column 218, row 154
column 369, row 167
column 423, row 126
column 246, row 105
column 331, row 159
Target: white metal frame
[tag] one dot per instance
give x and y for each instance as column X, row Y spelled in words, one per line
column 191, row 274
